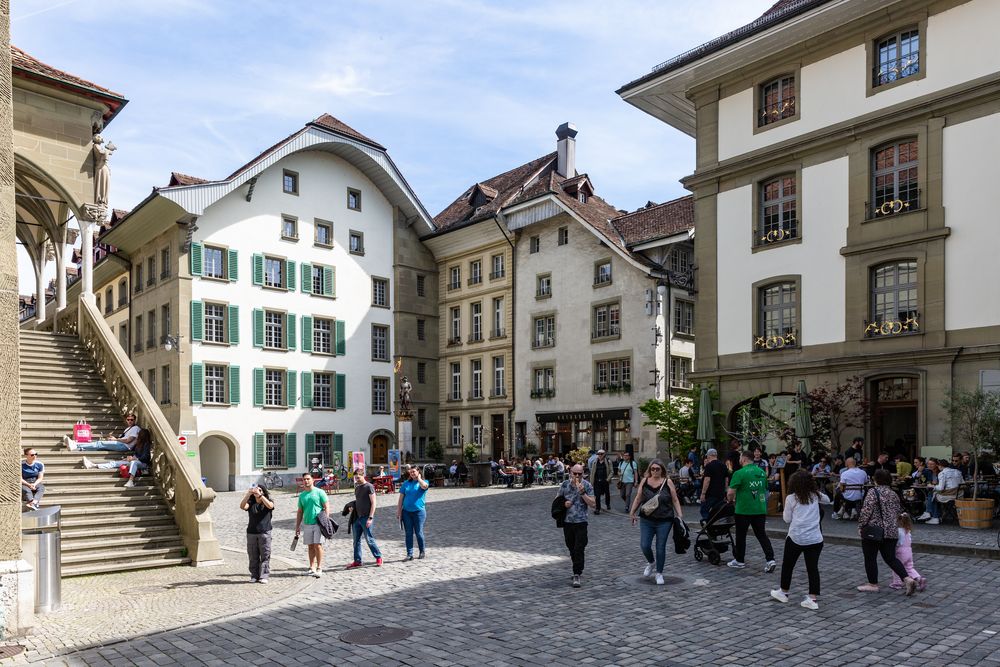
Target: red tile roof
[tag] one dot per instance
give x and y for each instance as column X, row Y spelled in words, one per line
column 330, row 123
column 656, row 221
column 28, row 67
column 177, row 178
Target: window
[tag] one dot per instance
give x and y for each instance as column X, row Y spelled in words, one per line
column 778, row 211
column 380, row 342
column 289, row 228
column 533, row 244
column 545, row 331
column 476, row 366
column 544, row 382
column 613, row 375
column 454, row 277
column 323, row 390
column 151, row 329
column 893, row 300
column 322, row 335
column 456, row 326
column 316, row 278
column 680, row 367
column 137, row 281
column 215, row 384
column 138, row 333
column 456, row 381
column 498, row 270
column 421, row 372
column 380, row 292
column 581, row 197
column 421, row 418
column 123, row 336
column 274, row 388
column 778, row 315
column 894, row 179
column 684, row 317
column 214, row 262
column 456, row 431
column 324, row 447
column 897, row 56
column 499, row 381
column 356, row 242
column 680, row 260
column 323, row 234
column 421, row 329
column 498, row 318
column 543, row 286
column 215, row 323
column 165, row 324
column 289, row 182
column 476, row 272
column 607, row 320
column 420, row 285
column 122, row 292
column 477, row 429
column 151, row 382
column 777, row 100
column 274, row 450
column 150, row 271
column 274, row 272
column 109, row 300
column 564, row 231
column 476, row 310
column 165, row 385
column 97, row 300
column 353, row 199
column 602, row 272
column 274, row 330
column 165, row 263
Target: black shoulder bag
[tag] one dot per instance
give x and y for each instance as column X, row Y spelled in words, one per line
column 870, row 531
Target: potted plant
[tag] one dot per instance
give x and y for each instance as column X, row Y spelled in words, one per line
column 975, row 421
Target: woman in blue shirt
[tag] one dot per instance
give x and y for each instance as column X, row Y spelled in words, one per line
column 410, row 510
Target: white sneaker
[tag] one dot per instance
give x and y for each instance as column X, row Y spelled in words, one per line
column 933, row 522
column 648, row 572
column 735, row 564
column 309, row 573
column 809, row 603
column 66, row 442
column 659, row 579
column 835, row 515
column 71, row 445
column 317, row 573
column 129, row 484
column 779, row 595
column 88, row 464
column 769, row 566
column 923, row 517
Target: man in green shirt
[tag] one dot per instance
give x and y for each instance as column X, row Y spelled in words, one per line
column 748, row 486
column 311, row 502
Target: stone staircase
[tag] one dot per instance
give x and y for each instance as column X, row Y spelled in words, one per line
column 105, row 527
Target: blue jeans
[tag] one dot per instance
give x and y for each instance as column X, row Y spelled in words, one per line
column 359, row 528
column 661, row 529
column 413, row 523
column 104, row 446
column 709, row 505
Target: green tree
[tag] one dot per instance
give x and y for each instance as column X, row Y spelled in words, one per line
column 975, row 424
column 675, row 421
column 471, row 452
column 434, row 451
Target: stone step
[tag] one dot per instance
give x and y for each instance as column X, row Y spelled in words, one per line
column 88, row 523
column 51, row 406
column 135, row 497
column 75, row 547
column 75, row 373
column 112, row 533
column 84, row 392
column 144, row 564
column 109, row 514
column 100, row 481
column 119, row 557
column 33, row 380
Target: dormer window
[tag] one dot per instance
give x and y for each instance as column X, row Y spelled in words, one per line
column 582, row 197
column 481, row 195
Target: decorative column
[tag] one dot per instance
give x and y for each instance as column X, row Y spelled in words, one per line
column 40, row 287
column 94, row 214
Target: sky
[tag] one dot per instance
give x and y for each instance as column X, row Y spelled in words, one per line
column 458, row 90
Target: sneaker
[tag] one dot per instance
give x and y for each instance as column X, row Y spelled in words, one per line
column 659, row 579
column 254, row 580
column 854, row 515
column 351, row 566
column 835, row 515
column 34, row 504
column 378, row 562
column 779, row 595
column 933, row 522
column 923, row 517
column 262, row 581
column 648, row 571
column 308, row 573
column 770, row 565
column 68, row 443
column 911, row 586
column 809, row 603
column 421, row 555
column 88, row 464
column 576, row 581
column 896, row 587
column 129, row 484
column 317, row 574
column 922, row 584
column 868, row 588
column 735, row 564
column 409, row 557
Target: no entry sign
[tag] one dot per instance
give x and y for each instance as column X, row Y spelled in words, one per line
column 182, row 440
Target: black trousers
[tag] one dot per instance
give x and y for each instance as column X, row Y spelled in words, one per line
column 791, row 556
column 887, row 548
column 755, row 521
column 602, row 489
column 576, row 541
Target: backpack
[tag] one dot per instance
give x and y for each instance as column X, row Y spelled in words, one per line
column 123, row 471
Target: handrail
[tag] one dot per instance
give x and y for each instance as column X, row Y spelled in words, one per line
column 186, row 495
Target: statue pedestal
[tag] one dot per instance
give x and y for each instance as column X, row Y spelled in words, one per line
column 405, row 437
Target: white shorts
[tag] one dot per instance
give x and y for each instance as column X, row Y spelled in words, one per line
column 311, row 534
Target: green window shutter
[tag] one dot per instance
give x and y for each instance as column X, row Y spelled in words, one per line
column 311, row 447
column 290, row 331
column 258, row 387
column 338, row 444
column 234, row 266
column 307, row 333
column 234, row 385
column 307, row 389
column 290, row 451
column 329, row 286
column 234, row 325
column 290, row 275
column 258, row 450
column 290, row 388
column 258, row 327
column 341, row 391
column 195, row 256
column 341, row 344
column 258, row 269
column 197, row 320
column 307, row 283
column 197, row 383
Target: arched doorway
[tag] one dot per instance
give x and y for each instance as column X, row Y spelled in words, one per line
column 218, row 462
column 894, row 404
column 380, row 441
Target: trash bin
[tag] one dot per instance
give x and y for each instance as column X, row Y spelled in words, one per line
column 481, row 474
column 40, row 546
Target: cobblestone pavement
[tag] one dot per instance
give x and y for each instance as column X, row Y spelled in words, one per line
column 494, row 590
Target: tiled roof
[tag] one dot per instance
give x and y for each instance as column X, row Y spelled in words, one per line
column 330, row 123
column 656, row 221
column 177, row 178
column 27, row 63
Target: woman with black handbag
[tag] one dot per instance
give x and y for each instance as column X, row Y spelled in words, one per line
column 657, row 504
column 878, row 526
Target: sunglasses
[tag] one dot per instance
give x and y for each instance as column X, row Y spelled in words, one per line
column 31, row 454
column 656, row 468
column 578, row 474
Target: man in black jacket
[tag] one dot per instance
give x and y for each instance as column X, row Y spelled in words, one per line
column 600, row 477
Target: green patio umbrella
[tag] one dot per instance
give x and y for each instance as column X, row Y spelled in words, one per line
column 803, row 417
column 706, row 425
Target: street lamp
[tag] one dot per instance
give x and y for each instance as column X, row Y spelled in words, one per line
column 172, row 342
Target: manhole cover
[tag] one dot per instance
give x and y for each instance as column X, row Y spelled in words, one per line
column 11, row 651
column 649, row 581
column 377, row 634
column 143, row 590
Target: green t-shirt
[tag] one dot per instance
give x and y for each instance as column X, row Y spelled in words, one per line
column 311, row 502
column 750, row 484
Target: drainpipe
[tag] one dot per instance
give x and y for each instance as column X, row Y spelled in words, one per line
column 498, row 218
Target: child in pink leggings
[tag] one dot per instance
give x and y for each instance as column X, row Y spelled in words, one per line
column 904, row 552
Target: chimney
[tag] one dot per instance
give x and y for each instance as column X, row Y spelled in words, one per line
column 566, row 148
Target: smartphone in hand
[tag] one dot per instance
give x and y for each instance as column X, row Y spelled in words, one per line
column 295, row 543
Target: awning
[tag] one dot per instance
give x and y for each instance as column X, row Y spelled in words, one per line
column 583, row 415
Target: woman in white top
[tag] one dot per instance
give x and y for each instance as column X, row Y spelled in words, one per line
column 804, row 536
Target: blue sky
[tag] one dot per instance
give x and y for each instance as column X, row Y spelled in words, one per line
column 457, row 90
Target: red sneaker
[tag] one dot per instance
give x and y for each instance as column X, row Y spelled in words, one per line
column 351, row 566
column 378, row 562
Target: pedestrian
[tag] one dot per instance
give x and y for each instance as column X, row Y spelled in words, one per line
column 257, row 504
column 655, row 518
column 364, row 507
column 579, row 495
column 600, row 477
column 904, row 552
column 878, row 526
column 410, row 510
column 627, row 474
column 32, row 474
column 802, row 514
column 312, row 501
column 749, row 487
column 125, row 442
column 713, row 483
column 137, row 462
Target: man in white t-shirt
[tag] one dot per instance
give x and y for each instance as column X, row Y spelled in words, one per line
column 850, row 499
column 123, row 443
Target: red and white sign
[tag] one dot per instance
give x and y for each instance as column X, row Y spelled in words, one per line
column 182, row 441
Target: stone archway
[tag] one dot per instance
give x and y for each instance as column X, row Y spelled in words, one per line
column 379, row 443
column 217, row 453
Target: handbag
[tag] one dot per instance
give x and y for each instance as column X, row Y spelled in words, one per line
column 81, row 431
column 872, row 532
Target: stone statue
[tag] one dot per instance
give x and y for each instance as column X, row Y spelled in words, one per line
column 404, row 394
column 102, row 172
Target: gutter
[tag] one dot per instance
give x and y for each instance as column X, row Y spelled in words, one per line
column 498, row 218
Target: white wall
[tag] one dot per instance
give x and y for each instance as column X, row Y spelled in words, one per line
column 255, row 227
column 823, row 228
column 956, row 48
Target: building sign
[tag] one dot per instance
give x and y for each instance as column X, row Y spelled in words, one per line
column 394, row 460
column 582, row 416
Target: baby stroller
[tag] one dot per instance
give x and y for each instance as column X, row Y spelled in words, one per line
column 716, row 536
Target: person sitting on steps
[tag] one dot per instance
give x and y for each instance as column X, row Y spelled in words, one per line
column 123, row 443
column 138, row 461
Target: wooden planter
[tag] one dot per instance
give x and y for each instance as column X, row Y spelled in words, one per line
column 975, row 514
